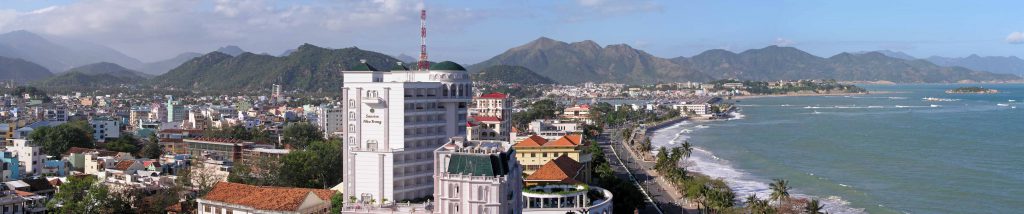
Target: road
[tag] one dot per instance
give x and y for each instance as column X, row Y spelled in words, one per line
column 620, row 159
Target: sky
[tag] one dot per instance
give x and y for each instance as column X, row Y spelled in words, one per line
column 472, row 31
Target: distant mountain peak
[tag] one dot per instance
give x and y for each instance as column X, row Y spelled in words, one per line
column 231, row 50
column 542, row 43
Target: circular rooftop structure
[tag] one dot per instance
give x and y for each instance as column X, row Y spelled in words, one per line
column 447, row 66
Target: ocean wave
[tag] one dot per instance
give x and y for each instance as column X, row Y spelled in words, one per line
column 744, row 184
column 736, row 116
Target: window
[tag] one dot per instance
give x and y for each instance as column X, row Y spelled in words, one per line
column 206, row 208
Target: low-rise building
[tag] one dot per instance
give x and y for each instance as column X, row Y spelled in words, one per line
column 28, row 155
column 577, row 113
column 557, row 188
column 227, row 197
column 535, row 151
column 477, row 177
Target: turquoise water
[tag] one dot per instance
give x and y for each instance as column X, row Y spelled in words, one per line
column 879, row 153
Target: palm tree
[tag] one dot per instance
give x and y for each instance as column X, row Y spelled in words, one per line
column 687, row 149
column 780, row 191
column 814, row 207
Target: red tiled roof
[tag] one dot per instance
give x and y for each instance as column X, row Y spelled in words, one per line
column 532, row 141
column 264, row 197
column 23, row 193
column 56, row 182
column 568, row 140
column 562, row 169
column 124, row 165
column 486, row 119
column 217, row 139
column 495, row 95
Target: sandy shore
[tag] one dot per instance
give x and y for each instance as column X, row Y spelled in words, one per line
column 809, row 95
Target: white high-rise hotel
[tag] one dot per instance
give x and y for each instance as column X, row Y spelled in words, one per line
column 394, row 121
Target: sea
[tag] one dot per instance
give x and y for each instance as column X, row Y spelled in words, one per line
column 886, row 152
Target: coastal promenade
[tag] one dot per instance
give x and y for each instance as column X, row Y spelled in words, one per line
column 662, row 196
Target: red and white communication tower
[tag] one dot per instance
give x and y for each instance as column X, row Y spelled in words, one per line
column 423, row 64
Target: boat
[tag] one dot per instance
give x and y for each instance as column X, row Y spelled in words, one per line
column 687, row 131
column 1012, row 101
column 935, row 106
column 1003, row 104
column 817, row 112
column 700, row 126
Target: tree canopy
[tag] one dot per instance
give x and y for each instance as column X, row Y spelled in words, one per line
column 58, row 139
column 301, row 134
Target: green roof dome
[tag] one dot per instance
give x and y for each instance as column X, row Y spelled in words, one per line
column 363, row 66
column 447, row 66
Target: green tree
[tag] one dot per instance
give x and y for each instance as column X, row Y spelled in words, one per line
column 125, row 143
column 780, row 191
column 83, row 194
column 58, row 139
column 316, row 166
column 151, row 150
column 260, row 172
column 337, row 202
column 814, row 207
column 686, row 149
column 301, row 134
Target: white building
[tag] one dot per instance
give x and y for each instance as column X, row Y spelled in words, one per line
column 477, row 177
column 30, row 156
column 394, row 121
column 105, row 128
column 700, row 107
column 329, row 119
column 492, row 119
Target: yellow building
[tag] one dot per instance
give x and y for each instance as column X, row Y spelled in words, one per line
column 535, row 151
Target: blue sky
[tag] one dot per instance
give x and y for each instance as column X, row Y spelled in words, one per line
column 472, row 31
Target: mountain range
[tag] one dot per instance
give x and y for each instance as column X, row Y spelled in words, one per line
column 20, row 71
column 995, row 64
column 586, row 61
column 59, row 54
column 27, row 57
column 96, row 75
column 510, row 74
column 308, row 68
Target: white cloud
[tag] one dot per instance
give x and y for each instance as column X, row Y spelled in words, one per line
column 156, row 29
column 1015, row 38
column 783, row 42
column 605, row 8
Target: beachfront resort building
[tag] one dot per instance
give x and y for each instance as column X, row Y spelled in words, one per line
column 393, row 122
column 535, row 151
column 700, row 107
column 477, row 177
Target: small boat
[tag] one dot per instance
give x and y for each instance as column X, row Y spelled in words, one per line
column 1012, row 101
column 1003, row 104
column 935, row 106
column 817, row 112
column 701, row 126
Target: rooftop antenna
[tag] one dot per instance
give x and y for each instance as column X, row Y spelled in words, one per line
column 423, row 64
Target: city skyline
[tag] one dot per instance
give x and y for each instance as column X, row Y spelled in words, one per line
column 470, row 32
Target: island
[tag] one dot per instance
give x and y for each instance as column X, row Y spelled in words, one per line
column 971, row 90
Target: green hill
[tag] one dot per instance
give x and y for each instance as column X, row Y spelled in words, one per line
column 21, row 71
column 510, row 74
column 308, row 68
column 79, row 80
